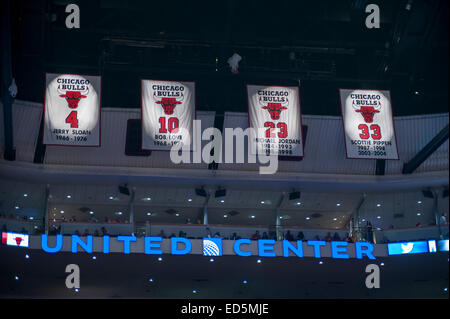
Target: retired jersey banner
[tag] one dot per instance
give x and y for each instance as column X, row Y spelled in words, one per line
column 368, row 124
column 274, row 113
column 168, row 111
column 72, row 110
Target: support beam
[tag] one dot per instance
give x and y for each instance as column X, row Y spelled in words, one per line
column 429, row 149
column 131, row 205
column 6, row 79
column 278, row 226
column 46, row 213
column 205, row 208
column 380, row 167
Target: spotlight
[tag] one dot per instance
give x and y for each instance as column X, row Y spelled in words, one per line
column 200, row 192
column 220, row 193
column 123, row 189
column 294, row 195
column 427, row 193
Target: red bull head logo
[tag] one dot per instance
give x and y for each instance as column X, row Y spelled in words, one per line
column 18, row 240
column 275, row 109
column 168, row 103
column 368, row 112
column 73, row 97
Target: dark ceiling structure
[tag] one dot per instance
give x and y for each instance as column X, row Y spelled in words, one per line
column 319, row 45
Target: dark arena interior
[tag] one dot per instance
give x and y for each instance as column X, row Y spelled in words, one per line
column 226, row 149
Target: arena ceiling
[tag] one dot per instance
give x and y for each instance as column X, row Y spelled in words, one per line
column 319, row 45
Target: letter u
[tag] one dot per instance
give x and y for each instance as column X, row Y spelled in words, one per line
column 58, row 246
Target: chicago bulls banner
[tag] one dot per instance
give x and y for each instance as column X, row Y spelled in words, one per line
column 72, row 110
column 168, row 111
column 368, row 124
column 274, row 114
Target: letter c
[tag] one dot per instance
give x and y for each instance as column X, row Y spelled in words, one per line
column 237, row 247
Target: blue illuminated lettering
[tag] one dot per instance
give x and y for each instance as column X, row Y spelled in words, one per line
column 237, row 247
column 126, row 242
column 58, row 246
column 174, row 246
column 153, row 242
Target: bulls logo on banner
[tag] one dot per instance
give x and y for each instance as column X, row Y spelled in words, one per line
column 274, row 113
column 368, row 124
column 168, row 109
column 72, row 110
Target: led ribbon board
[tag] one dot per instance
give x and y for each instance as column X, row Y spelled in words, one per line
column 168, row 111
column 72, row 110
column 368, row 124
column 274, row 113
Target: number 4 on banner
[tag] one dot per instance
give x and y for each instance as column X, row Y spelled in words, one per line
column 72, row 119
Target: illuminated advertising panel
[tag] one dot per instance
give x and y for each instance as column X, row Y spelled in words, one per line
column 443, row 245
column 416, row 247
column 15, row 239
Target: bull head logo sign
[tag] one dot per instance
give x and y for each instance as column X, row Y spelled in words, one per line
column 368, row 112
column 73, row 97
column 168, row 103
column 275, row 108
